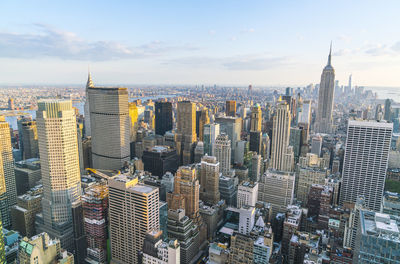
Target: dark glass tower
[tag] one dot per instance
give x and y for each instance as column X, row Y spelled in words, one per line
column 163, row 117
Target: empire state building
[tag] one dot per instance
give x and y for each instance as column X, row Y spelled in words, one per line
column 323, row 122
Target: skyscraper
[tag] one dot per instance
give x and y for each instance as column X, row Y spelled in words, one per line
column 204, row 120
column 281, row 138
column 222, row 151
column 163, row 117
column 388, row 110
column 209, row 180
column 256, row 118
column 8, row 176
column 365, row 162
column 230, row 109
column 133, row 212
column 58, row 147
column 30, row 140
column 86, row 106
column 186, row 193
column 110, row 127
column 211, row 131
column 323, row 123
column 186, row 131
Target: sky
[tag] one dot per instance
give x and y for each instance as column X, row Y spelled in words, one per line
column 223, row 42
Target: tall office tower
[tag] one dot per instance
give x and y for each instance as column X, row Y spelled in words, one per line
column 7, row 170
column 349, row 86
column 365, row 162
column 323, row 122
column 295, row 140
column 58, row 147
column 247, row 194
column 277, row 188
column 305, row 116
column 211, row 131
column 256, row 141
column 198, row 152
column 95, row 212
column 79, row 232
column 163, row 117
column 204, row 120
column 222, row 151
column 316, row 145
column 209, row 180
column 157, row 251
column 186, row 193
column 280, row 137
column 133, row 117
column 30, row 140
column 89, row 84
column 186, row 131
column 228, row 189
column 232, row 126
column 255, row 169
column 379, row 112
column 256, row 118
column 308, row 174
column 388, row 110
column 23, row 214
column 160, row 159
column 110, row 127
column 183, row 229
column 230, row 109
column 133, row 211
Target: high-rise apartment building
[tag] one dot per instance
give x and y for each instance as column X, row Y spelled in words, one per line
column 230, row 108
column 365, row 162
column 222, row 151
column 256, row 118
column 209, row 180
column 186, row 131
column 280, row 139
column 163, row 120
column 58, row 147
column 7, row 175
column 133, row 212
column 110, row 127
column 324, row 122
column 89, row 84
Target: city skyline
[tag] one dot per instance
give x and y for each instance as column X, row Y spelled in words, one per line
column 189, row 43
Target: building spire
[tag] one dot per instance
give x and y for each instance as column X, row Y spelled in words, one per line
column 330, row 54
column 89, row 81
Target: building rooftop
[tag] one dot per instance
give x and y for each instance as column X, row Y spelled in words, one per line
column 380, row 225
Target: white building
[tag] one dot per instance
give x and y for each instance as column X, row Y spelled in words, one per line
column 247, row 194
column 222, row 151
column 365, row 162
column 156, row 251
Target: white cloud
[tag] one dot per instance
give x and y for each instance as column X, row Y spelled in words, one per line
column 50, row 42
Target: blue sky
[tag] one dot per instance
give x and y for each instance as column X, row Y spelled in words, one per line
column 198, row 42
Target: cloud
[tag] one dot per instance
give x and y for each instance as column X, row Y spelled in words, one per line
column 212, row 32
column 252, row 62
column 248, row 30
column 50, row 42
